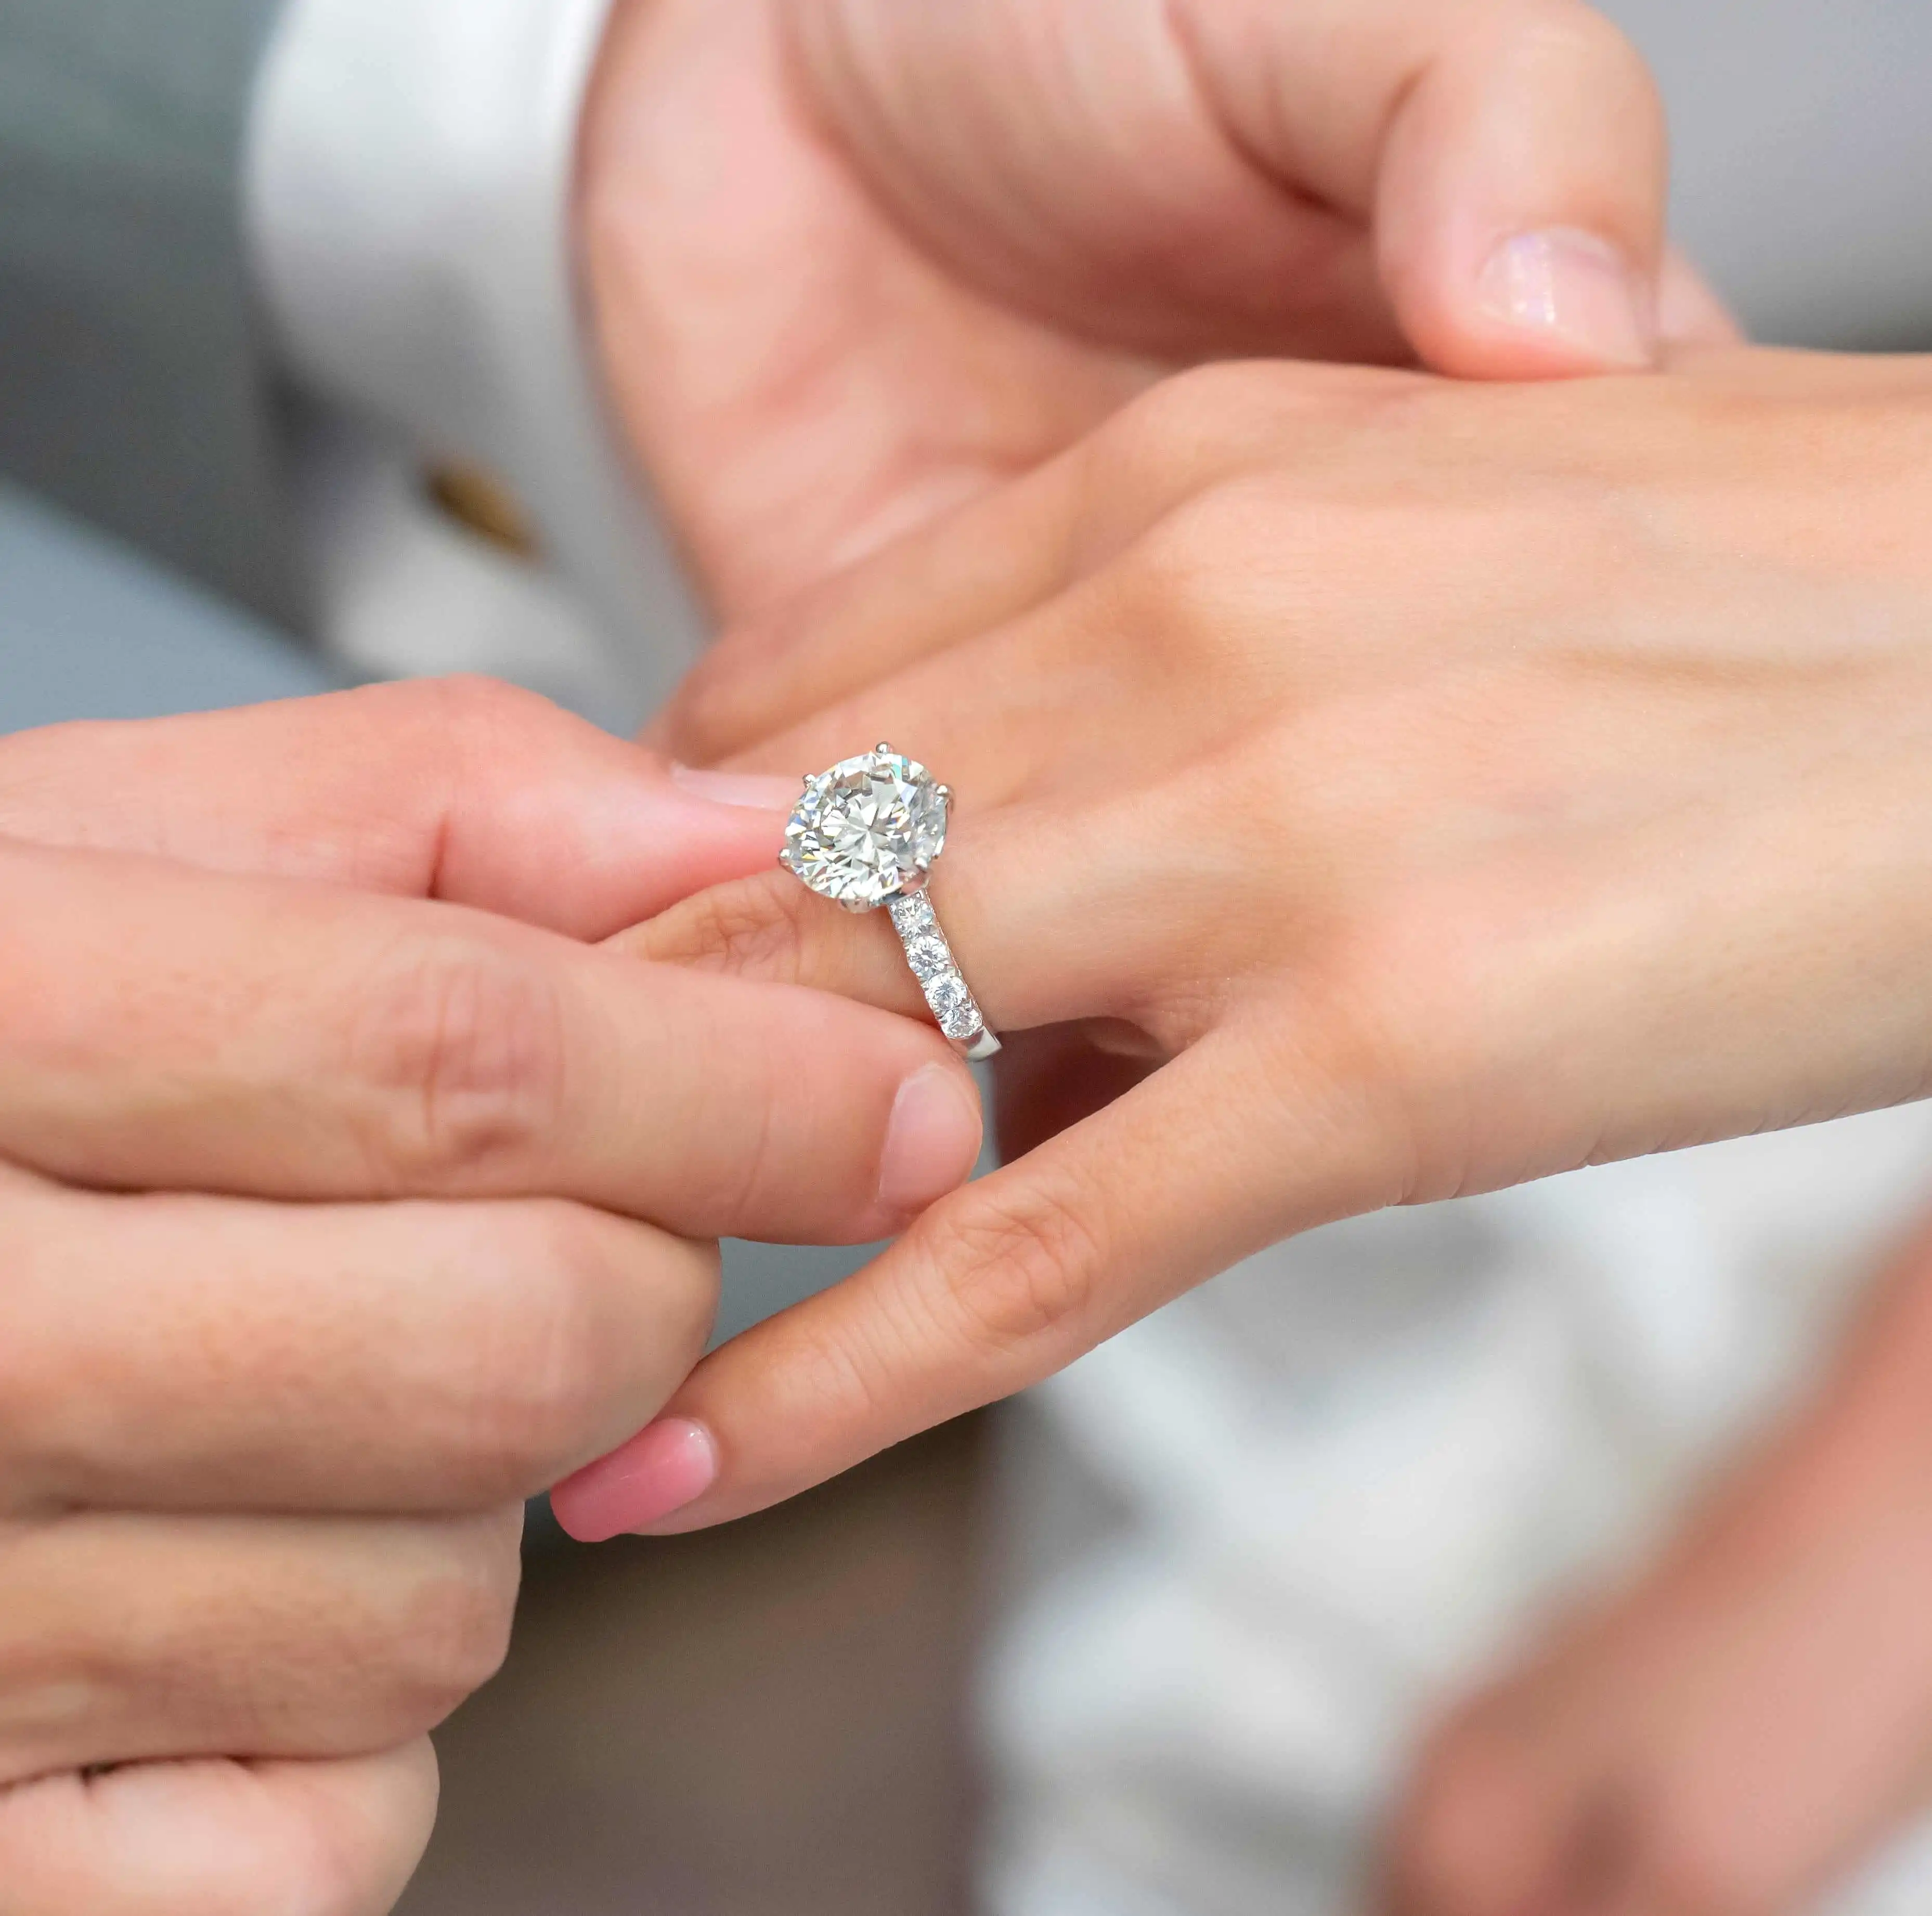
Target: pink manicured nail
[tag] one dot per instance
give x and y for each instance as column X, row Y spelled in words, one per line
column 752, row 789
column 666, row 1465
column 1574, row 290
column 933, row 1141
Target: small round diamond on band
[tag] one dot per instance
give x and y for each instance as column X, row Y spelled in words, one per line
column 865, row 834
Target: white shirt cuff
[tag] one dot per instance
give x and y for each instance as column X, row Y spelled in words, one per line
column 408, row 186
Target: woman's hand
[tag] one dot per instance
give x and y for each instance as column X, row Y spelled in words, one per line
column 340, row 1216
column 1748, row 1719
column 1442, row 785
column 853, row 261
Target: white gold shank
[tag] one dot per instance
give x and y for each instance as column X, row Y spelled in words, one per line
column 933, row 964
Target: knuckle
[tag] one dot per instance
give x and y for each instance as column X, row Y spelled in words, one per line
column 1180, row 430
column 1021, row 1263
column 545, row 1357
column 1210, row 425
column 571, row 1346
column 1186, row 576
column 471, row 708
column 1227, row 406
column 464, row 716
column 463, row 1040
column 453, row 1632
column 55, row 1674
column 1183, row 409
column 1156, row 448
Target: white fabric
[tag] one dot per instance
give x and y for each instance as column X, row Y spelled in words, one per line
column 1271, row 1527
column 409, row 188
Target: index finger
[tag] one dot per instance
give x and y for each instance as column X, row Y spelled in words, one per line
column 460, row 789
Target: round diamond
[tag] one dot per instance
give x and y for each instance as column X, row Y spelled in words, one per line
column 953, row 1004
column 928, row 956
column 866, row 827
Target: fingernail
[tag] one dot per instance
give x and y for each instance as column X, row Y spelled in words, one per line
column 749, row 789
column 933, row 1141
column 1575, row 289
column 666, row 1466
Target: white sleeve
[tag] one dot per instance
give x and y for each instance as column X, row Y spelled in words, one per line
column 408, row 187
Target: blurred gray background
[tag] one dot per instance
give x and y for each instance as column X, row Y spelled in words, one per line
column 1802, row 130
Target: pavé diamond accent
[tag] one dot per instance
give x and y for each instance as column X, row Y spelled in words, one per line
column 914, row 913
column 953, row 1004
column 868, row 829
column 932, row 964
column 928, row 956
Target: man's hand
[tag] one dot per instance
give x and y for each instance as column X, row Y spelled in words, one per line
column 340, row 1216
column 1745, row 1723
column 853, row 261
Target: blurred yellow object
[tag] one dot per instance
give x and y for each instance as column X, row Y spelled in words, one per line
column 478, row 500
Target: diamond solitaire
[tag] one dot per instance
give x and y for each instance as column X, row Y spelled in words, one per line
column 868, row 829
column 865, row 834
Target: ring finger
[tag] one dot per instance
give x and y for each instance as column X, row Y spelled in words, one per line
column 1046, row 907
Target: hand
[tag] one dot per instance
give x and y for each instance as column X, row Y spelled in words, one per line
column 1743, row 1724
column 854, row 262
column 340, row 1216
column 1443, row 786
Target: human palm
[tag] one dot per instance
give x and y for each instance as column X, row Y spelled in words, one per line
column 854, row 262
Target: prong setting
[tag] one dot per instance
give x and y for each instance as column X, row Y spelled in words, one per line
column 868, row 829
column 866, row 834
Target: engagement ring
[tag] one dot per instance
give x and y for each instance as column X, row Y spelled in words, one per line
column 865, row 834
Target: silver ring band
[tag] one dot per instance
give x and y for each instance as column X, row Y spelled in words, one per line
column 933, row 964
column 865, row 834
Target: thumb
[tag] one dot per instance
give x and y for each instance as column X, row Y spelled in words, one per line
column 1520, row 208
column 461, row 789
column 1510, row 156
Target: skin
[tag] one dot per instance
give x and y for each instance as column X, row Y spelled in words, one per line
column 1578, row 736
column 302, row 1003
column 826, row 316
column 263, row 1058
column 827, row 322
column 1527, row 777
column 350, row 1197
column 1733, row 1731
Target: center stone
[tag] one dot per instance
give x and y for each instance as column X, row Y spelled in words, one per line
column 867, row 829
